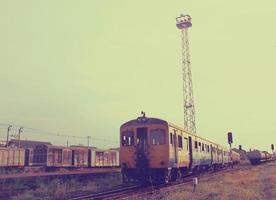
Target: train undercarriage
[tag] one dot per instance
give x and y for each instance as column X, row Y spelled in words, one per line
column 165, row 175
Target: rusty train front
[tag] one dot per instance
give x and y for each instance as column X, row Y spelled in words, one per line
column 142, row 140
column 153, row 149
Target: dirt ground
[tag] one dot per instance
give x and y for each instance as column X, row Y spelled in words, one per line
column 243, row 183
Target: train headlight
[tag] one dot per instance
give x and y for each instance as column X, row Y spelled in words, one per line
column 142, row 119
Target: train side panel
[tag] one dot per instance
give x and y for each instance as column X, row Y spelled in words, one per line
column 178, row 144
column 80, row 157
column 202, row 153
column 12, row 157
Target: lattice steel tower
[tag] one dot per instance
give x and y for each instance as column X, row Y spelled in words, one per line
column 184, row 22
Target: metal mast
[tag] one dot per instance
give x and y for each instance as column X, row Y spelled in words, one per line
column 184, row 22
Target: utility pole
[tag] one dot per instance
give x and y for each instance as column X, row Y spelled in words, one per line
column 88, row 138
column 8, row 134
column 19, row 133
column 184, row 22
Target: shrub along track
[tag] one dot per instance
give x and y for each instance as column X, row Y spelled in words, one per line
column 14, row 184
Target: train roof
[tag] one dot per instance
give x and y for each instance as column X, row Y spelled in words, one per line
column 195, row 135
column 26, row 143
column 143, row 120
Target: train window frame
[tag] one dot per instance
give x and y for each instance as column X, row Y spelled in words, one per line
column 180, row 142
column 171, row 138
column 127, row 142
column 187, row 143
column 157, row 142
column 199, row 146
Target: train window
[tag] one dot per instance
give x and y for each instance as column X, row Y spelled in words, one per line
column 157, row 136
column 127, row 139
column 195, row 144
column 171, row 138
column 202, row 147
column 208, row 148
column 187, row 144
column 180, row 144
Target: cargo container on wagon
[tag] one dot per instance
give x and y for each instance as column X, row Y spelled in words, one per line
column 12, row 157
column 79, row 156
column 52, row 156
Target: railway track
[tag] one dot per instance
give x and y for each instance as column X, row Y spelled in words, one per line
column 133, row 191
column 143, row 190
column 110, row 194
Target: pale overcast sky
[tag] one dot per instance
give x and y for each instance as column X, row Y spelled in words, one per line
column 85, row 67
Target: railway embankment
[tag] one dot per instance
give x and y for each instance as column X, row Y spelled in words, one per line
column 56, row 186
column 243, row 183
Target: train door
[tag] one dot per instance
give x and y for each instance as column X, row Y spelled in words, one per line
column 27, row 155
column 190, row 152
column 142, row 139
column 218, row 158
column 211, row 150
column 73, row 157
column 142, row 160
column 89, row 157
column 175, row 147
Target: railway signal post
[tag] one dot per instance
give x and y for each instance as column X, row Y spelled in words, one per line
column 272, row 148
column 230, row 139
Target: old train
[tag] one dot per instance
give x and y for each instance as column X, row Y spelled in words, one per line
column 154, row 149
column 48, row 157
column 256, row 157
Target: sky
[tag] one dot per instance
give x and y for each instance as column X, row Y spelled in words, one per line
column 83, row 68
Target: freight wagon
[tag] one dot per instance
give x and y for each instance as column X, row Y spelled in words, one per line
column 12, row 157
column 257, row 157
column 37, row 156
column 79, row 156
column 104, row 158
column 51, row 156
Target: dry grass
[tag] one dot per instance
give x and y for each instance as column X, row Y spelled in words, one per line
column 245, row 183
column 58, row 189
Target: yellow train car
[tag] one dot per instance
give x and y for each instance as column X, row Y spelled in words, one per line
column 235, row 157
column 154, row 149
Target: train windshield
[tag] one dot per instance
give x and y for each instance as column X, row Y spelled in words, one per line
column 127, row 139
column 157, row 136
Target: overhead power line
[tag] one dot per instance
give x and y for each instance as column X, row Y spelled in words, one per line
column 43, row 132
